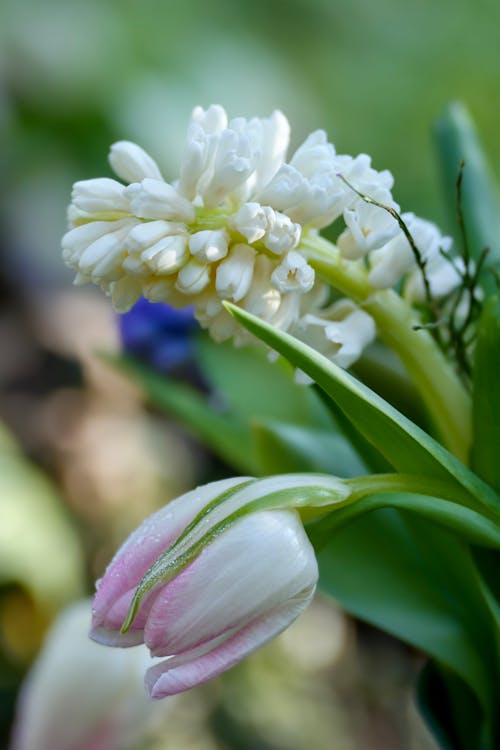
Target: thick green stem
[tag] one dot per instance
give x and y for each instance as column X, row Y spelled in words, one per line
column 441, row 389
column 440, row 502
column 376, row 483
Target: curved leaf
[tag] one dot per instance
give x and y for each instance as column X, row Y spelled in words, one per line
column 284, row 448
column 226, row 436
column 406, row 446
column 486, row 395
column 467, row 524
column 417, row 582
column 256, row 388
column 457, row 141
column 450, row 709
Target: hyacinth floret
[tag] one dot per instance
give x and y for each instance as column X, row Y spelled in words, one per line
column 233, row 226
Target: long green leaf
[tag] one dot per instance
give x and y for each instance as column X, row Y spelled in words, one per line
column 450, row 709
column 470, row 526
column 284, row 448
column 407, row 447
column 486, row 395
column 417, row 582
column 255, row 388
column 457, row 141
column 226, row 436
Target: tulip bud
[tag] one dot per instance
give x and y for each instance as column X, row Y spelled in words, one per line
column 80, row 696
column 212, row 576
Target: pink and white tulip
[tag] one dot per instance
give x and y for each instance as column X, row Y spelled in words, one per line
column 224, row 585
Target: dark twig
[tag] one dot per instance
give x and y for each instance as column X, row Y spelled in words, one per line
column 458, row 327
column 432, row 306
column 419, row 258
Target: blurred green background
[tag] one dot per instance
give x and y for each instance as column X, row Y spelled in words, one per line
column 76, row 75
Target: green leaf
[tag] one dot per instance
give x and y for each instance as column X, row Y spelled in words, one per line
column 417, row 582
column 470, row 526
column 373, row 459
column 457, row 141
column 488, row 564
column 256, row 388
column 450, row 709
column 284, row 448
column 407, row 447
column 382, row 371
column 486, row 395
column 228, row 437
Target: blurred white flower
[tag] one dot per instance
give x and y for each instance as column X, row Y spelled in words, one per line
column 80, row 696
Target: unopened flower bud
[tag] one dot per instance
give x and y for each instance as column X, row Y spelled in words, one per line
column 206, row 581
column 209, row 246
column 101, row 690
column 167, row 255
column 155, row 199
column 193, row 277
column 234, row 275
column 100, row 195
column 131, row 163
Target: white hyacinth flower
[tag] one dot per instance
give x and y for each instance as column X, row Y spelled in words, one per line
column 193, row 277
column 368, row 226
column 443, row 277
column 101, row 195
column 234, row 275
column 166, row 256
column 199, row 152
column 155, row 199
column 209, row 245
column 237, row 223
column 276, row 231
column 340, row 333
column 131, row 163
column 293, row 274
column 145, row 234
column 390, row 262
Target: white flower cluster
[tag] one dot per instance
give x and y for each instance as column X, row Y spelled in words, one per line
column 230, row 229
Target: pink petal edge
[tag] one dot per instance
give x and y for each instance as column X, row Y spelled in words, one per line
column 163, row 679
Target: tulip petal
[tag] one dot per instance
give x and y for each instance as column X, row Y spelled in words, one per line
column 263, row 559
column 172, row 676
column 108, row 636
column 142, row 548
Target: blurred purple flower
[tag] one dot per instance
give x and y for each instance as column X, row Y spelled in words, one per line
column 158, row 334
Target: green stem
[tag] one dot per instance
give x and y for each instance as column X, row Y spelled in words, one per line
column 443, row 393
column 440, row 502
column 376, row 483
